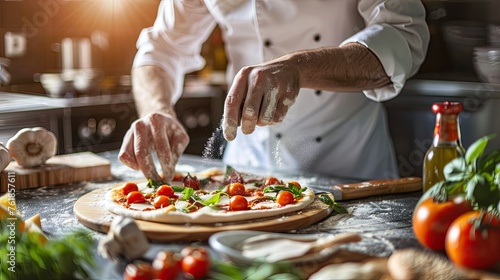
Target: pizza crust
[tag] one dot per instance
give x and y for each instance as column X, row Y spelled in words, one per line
column 206, row 215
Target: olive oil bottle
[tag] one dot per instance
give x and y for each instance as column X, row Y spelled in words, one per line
column 446, row 144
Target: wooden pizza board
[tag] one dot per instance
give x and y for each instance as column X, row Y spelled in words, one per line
column 58, row 170
column 90, row 211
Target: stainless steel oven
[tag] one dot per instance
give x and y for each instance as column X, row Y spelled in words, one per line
column 96, row 128
column 101, row 126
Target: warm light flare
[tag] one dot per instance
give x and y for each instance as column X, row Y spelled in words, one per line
column 113, row 6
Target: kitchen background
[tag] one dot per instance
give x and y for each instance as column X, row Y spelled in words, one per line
column 65, row 66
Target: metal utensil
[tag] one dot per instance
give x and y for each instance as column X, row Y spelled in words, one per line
column 276, row 248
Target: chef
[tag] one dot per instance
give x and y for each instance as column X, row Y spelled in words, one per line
column 307, row 81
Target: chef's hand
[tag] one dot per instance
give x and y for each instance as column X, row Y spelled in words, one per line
column 160, row 132
column 260, row 95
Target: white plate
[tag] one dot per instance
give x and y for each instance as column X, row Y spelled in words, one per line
column 228, row 245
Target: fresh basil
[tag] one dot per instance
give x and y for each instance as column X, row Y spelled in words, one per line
column 229, row 170
column 214, row 199
column 294, row 189
column 456, row 170
column 328, row 200
column 477, row 148
column 281, row 270
column 155, row 184
column 178, row 188
column 477, row 174
column 204, row 181
column 66, row 257
column 186, row 193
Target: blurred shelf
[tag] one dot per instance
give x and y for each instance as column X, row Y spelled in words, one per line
column 450, row 88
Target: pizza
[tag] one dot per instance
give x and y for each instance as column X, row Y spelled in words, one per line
column 212, row 196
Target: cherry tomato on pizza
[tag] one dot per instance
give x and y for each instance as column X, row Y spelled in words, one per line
column 431, row 220
column 472, row 247
column 272, row 181
column 139, row 271
column 284, row 198
column 238, row 203
column 191, row 182
column 236, row 189
column 129, row 187
column 135, row 197
column 165, row 190
column 161, row 201
column 167, row 265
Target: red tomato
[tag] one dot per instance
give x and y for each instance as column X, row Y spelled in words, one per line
column 161, row 201
column 236, row 189
column 296, row 184
column 129, row 187
column 189, row 250
column 238, row 203
column 139, row 271
column 272, row 181
column 165, row 190
column 284, row 198
column 472, row 248
column 167, row 265
column 135, row 197
column 197, row 264
column 191, row 182
column 431, row 220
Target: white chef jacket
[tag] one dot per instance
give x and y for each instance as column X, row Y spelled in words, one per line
column 331, row 133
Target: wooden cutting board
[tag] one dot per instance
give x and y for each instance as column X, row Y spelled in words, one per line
column 58, row 170
column 90, row 211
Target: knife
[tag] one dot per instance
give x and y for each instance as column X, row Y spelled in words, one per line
column 371, row 188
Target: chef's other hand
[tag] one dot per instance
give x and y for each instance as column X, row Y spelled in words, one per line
column 260, row 95
column 160, row 132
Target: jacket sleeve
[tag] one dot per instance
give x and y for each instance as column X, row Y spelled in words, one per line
column 175, row 39
column 396, row 32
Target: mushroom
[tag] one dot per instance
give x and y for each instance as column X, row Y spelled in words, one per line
column 4, row 157
column 31, row 147
column 124, row 241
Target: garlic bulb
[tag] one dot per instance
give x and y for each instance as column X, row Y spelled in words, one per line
column 31, row 147
column 4, row 157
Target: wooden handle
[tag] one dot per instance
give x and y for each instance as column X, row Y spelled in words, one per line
column 343, row 238
column 378, row 187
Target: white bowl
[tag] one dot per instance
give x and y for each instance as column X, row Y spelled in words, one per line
column 228, row 245
column 53, row 84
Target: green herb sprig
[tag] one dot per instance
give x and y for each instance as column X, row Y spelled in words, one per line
column 266, row 271
column 294, row 189
column 67, row 257
column 476, row 174
column 328, row 200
